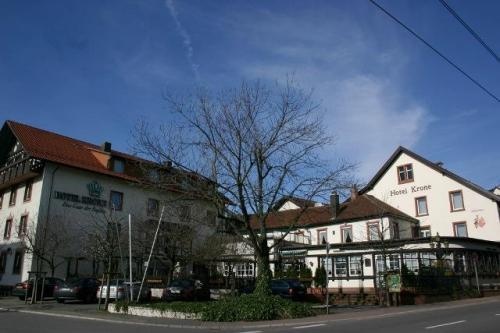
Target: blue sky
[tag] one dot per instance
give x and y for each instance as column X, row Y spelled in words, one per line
column 91, row 69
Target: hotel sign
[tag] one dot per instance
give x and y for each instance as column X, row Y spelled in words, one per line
column 91, row 202
column 411, row 189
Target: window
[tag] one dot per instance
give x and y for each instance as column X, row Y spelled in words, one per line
column 153, row 207
column 410, row 260
column 23, row 226
column 116, row 200
column 28, row 189
column 211, row 218
column 405, row 173
column 3, row 261
column 346, row 233
column 340, row 266
column 18, row 262
column 355, row 265
column 368, row 262
column 456, row 201
column 322, row 236
column 12, row 199
column 393, row 262
column 329, row 265
column 373, row 231
column 421, row 206
column 184, row 213
column 460, row 229
column 425, row 232
column 118, row 165
column 395, row 230
column 8, row 228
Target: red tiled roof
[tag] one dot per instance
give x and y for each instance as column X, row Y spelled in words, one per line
column 363, row 207
column 61, row 149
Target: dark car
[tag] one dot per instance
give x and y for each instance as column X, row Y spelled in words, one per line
column 25, row 289
column 82, row 289
column 186, row 290
column 289, row 288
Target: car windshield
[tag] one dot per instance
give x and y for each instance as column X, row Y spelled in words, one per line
column 72, row 282
column 180, row 283
column 294, row 283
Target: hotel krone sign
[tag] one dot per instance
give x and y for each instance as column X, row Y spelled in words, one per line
column 410, row 189
column 92, row 201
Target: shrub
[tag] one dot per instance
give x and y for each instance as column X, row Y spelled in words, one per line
column 320, row 277
column 254, row 307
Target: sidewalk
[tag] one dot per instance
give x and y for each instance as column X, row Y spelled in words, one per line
column 90, row 312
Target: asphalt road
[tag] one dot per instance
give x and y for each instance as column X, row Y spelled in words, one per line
column 479, row 315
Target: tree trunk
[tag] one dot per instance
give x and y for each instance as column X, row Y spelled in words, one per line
column 264, row 274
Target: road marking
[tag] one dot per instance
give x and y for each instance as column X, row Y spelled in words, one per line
column 252, row 332
column 308, row 326
column 445, row 324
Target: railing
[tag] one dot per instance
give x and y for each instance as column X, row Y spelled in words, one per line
column 19, row 170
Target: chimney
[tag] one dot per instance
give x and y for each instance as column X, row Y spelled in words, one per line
column 334, row 204
column 354, row 192
column 106, row 147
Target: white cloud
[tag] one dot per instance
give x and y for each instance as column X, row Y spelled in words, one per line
column 360, row 84
column 186, row 39
column 371, row 118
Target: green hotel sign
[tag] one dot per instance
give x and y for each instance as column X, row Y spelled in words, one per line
column 93, row 198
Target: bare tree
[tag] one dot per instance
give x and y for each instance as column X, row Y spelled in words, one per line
column 258, row 144
column 104, row 242
column 47, row 242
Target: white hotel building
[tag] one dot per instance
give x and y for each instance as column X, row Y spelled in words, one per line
column 53, row 183
column 393, row 222
column 443, row 202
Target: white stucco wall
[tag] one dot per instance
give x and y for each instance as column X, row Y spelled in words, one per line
column 436, row 187
column 21, row 207
column 77, row 218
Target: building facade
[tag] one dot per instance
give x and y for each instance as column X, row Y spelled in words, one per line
column 61, row 198
column 443, row 202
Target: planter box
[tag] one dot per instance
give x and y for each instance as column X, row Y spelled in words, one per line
column 149, row 312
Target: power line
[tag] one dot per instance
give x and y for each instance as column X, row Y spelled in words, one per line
column 472, row 32
column 436, row 51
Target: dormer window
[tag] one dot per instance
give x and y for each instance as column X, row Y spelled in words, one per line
column 118, row 165
column 405, row 173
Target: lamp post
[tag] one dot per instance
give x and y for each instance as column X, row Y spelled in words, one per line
column 326, row 273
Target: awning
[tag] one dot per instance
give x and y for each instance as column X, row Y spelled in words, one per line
column 293, row 253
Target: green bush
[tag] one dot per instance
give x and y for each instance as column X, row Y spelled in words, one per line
column 254, row 307
column 320, row 277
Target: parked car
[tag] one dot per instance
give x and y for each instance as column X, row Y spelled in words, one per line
column 186, row 290
column 120, row 289
column 289, row 288
column 25, row 289
column 83, row 289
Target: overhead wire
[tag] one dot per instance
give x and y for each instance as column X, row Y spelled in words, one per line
column 472, row 32
column 458, row 68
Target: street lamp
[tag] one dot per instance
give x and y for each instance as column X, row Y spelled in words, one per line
column 326, row 273
column 438, row 245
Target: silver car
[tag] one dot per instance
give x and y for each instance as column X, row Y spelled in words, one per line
column 120, row 290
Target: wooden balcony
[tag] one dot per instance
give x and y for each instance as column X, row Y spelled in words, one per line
column 20, row 171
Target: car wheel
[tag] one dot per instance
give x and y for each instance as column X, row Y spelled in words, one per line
column 22, row 298
column 58, row 300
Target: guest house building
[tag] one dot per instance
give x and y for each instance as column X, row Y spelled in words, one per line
column 61, row 197
column 443, row 202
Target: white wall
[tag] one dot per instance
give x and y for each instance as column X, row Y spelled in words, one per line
column 77, row 218
column 15, row 212
column 436, row 187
